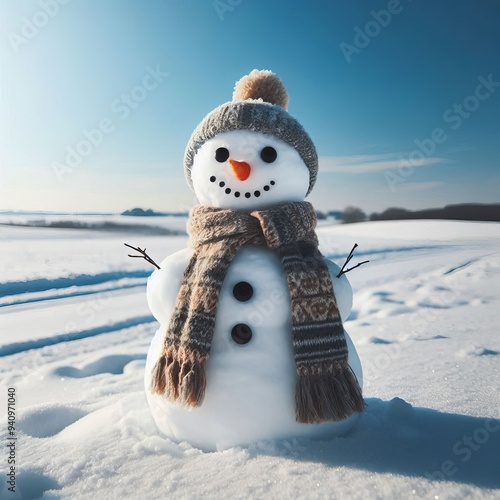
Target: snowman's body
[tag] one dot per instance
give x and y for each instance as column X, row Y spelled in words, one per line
column 250, row 387
column 247, row 155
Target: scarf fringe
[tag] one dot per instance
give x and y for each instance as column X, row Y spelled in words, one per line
column 327, row 393
column 180, row 376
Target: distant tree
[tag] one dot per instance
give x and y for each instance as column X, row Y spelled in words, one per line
column 393, row 213
column 320, row 215
column 353, row 214
column 336, row 214
column 462, row 211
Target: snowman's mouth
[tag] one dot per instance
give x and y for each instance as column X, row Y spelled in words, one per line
column 246, row 194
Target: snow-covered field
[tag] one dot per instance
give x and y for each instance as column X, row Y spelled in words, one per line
column 75, row 329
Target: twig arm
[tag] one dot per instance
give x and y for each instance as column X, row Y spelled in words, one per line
column 343, row 270
column 143, row 255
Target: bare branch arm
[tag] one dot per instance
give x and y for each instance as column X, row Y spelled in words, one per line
column 143, row 255
column 349, row 257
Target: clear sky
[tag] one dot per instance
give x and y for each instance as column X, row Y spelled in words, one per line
column 402, row 98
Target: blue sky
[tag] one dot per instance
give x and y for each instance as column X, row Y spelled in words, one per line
column 403, row 106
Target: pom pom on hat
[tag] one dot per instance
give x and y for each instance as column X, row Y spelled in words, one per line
column 261, row 84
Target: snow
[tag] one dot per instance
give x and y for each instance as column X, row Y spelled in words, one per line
column 424, row 322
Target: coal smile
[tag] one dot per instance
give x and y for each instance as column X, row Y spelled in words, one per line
column 237, row 194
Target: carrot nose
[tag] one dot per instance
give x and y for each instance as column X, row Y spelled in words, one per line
column 240, row 168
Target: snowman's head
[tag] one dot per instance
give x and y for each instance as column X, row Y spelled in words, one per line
column 246, row 170
column 250, row 153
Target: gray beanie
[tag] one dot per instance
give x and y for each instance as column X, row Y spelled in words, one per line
column 259, row 104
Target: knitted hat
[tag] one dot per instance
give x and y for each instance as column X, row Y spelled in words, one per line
column 259, row 104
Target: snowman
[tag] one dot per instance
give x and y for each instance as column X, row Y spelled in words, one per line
column 251, row 344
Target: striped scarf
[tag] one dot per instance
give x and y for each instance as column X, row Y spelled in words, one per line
column 326, row 388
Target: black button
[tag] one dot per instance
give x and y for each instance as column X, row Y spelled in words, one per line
column 243, row 291
column 241, row 333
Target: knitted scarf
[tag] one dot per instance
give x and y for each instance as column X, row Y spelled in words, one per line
column 326, row 387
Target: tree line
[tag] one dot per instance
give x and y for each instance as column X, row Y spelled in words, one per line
column 463, row 211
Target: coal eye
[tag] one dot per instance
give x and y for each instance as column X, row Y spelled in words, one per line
column 268, row 154
column 241, row 333
column 221, row 155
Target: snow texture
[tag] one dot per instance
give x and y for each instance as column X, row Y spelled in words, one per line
column 75, row 329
